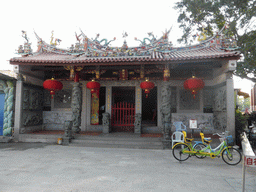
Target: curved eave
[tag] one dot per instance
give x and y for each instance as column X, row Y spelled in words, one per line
column 86, row 62
column 118, row 62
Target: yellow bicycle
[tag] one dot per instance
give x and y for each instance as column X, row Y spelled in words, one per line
column 230, row 155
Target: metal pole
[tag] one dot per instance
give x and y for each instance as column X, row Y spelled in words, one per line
column 244, row 167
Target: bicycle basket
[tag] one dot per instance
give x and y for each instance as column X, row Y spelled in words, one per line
column 230, row 140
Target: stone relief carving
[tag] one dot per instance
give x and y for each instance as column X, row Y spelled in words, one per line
column 47, row 98
column 204, row 120
column 166, row 109
column 76, row 104
column 62, row 99
column 187, row 102
column 219, row 109
column 56, row 117
column 220, row 103
column 208, row 97
column 220, row 121
column 32, row 119
column 26, row 99
column 32, row 99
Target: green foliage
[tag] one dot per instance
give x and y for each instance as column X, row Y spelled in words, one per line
column 240, row 120
column 213, row 15
column 243, row 103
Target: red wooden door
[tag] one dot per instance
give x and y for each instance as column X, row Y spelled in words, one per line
column 123, row 117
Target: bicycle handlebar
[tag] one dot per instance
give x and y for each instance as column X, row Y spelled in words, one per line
column 223, row 134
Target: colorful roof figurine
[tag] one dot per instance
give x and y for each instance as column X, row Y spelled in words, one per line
column 93, row 51
column 26, row 50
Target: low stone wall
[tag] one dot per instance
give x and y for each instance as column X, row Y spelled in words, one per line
column 204, row 120
column 54, row 120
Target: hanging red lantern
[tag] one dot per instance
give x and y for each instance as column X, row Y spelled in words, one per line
column 52, row 85
column 194, row 85
column 93, row 85
column 147, row 85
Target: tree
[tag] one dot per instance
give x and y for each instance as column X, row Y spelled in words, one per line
column 243, row 103
column 211, row 15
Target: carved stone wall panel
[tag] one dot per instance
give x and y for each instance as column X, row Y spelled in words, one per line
column 32, row 98
column 47, row 99
column 220, row 107
column 54, row 120
column 208, row 97
column 26, row 99
column 32, row 118
column 62, row 99
column 187, row 102
column 32, row 115
column 220, row 121
column 204, row 120
column 35, row 99
column 220, row 96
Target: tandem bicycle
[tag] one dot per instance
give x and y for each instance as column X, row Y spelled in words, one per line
column 183, row 150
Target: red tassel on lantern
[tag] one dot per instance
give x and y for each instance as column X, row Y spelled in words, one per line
column 194, row 85
column 52, row 85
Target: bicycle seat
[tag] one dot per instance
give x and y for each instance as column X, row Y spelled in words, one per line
column 204, row 139
column 187, row 140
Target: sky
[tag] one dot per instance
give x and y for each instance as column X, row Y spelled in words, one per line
column 108, row 18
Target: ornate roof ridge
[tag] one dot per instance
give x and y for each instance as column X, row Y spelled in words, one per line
column 93, row 47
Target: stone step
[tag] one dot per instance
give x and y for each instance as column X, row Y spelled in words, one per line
column 4, row 139
column 110, row 141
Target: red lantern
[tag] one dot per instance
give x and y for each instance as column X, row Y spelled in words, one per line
column 194, row 85
column 93, row 85
column 147, row 85
column 52, row 85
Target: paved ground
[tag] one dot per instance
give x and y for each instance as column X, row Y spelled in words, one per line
column 41, row 167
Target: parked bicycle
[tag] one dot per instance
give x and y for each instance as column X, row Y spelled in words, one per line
column 230, row 155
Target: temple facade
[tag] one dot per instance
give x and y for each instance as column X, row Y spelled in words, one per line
column 105, row 88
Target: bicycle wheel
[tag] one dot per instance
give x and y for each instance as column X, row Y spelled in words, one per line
column 231, row 156
column 197, row 147
column 178, row 154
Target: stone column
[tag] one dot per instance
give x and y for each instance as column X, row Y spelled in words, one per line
column 108, row 99
column 166, row 109
column 68, row 132
column 137, row 123
column 138, row 100
column 18, row 107
column 76, row 106
column 106, row 122
column 230, row 104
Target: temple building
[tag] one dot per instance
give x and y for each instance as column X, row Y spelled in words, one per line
column 141, row 89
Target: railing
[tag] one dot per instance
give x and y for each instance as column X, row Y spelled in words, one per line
column 123, row 114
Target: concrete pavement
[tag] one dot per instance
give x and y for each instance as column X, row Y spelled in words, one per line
column 43, row 167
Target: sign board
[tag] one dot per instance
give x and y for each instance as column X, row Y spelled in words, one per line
column 250, row 161
column 193, row 124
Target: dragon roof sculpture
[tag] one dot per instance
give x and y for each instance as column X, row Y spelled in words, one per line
column 90, row 50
